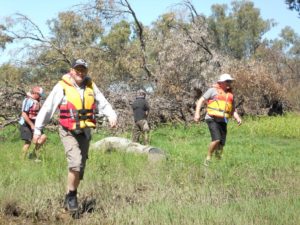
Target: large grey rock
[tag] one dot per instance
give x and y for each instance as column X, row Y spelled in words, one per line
column 125, row 145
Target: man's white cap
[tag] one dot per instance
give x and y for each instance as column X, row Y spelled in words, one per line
column 225, row 77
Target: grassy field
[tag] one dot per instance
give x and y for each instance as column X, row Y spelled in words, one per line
column 256, row 182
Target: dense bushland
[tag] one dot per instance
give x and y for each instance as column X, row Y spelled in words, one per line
column 181, row 53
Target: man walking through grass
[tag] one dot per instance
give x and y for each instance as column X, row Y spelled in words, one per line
column 78, row 99
column 140, row 109
column 220, row 107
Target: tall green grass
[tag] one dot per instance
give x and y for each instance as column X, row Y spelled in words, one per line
column 256, row 182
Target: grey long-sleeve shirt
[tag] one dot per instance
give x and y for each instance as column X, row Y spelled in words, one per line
column 56, row 97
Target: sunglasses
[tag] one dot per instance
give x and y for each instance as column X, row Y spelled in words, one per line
column 228, row 81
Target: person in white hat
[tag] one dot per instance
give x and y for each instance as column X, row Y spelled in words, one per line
column 220, row 107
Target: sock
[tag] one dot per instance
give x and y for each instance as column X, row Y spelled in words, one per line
column 72, row 193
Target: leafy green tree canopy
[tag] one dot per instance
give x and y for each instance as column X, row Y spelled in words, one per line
column 118, row 37
column 238, row 31
column 294, row 5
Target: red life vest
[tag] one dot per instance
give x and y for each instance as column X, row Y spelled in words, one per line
column 77, row 113
column 34, row 109
column 221, row 104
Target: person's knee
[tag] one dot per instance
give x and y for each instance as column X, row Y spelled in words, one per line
column 27, row 142
column 81, row 174
column 216, row 141
column 42, row 139
column 74, row 168
column 220, row 146
column 26, row 145
column 75, row 164
column 78, row 169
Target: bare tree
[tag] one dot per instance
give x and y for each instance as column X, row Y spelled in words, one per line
column 140, row 29
column 29, row 30
column 112, row 9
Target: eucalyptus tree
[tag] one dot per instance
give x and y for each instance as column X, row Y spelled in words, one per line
column 75, row 36
column 281, row 57
column 293, row 5
column 121, row 52
column 291, row 42
column 115, row 9
column 4, row 38
column 11, row 75
column 180, row 44
column 70, row 35
column 238, row 31
column 288, row 44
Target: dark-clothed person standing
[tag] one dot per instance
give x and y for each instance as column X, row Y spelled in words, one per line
column 140, row 109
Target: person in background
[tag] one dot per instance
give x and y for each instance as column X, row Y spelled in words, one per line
column 220, row 107
column 78, row 99
column 30, row 107
column 140, row 109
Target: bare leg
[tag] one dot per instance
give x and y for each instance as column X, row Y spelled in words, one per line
column 136, row 137
column 39, row 144
column 136, row 133
column 25, row 149
column 73, row 180
column 219, row 152
column 146, row 138
column 71, row 203
column 211, row 148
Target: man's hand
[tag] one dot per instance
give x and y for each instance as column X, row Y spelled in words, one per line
column 237, row 118
column 32, row 127
column 113, row 123
column 196, row 117
column 198, row 109
column 35, row 138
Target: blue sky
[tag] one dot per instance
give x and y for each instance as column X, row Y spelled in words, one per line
column 147, row 11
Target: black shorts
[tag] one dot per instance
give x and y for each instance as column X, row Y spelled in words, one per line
column 218, row 130
column 26, row 132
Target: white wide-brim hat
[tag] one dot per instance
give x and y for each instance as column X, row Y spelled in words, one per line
column 224, row 77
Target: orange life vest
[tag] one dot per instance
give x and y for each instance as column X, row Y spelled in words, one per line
column 221, row 104
column 77, row 113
